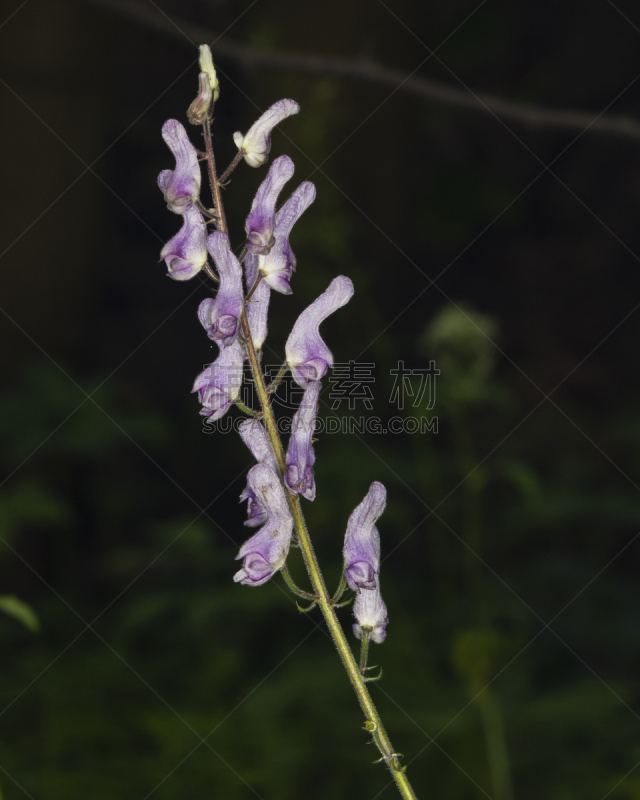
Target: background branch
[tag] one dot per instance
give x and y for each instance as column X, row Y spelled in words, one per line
column 363, row 69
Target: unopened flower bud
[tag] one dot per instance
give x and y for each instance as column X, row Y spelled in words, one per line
column 199, row 109
column 206, row 65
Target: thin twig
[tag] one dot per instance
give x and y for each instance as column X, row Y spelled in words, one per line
column 362, row 69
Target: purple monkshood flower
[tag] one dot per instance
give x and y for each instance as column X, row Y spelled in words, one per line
column 180, row 186
column 261, row 221
column 362, row 540
column 256, row 512
column 220, row 316
column 219, row 385
column 257, row 440
column 371, row 614
column 256, row 143
column 308, row 357
column 266, row 552
column 280, row 262
column 277, row 266
column 186, row 253
column 298, row 475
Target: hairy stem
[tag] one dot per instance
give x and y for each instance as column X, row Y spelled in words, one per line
column 364, row 650
column 238, row 158
column 213, row 180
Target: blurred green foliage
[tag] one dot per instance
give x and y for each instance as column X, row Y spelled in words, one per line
column 510, row 563
column 159, row 649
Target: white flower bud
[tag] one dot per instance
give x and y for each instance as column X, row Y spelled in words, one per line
column 206, row 65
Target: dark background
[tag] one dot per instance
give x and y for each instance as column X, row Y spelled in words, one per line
column 510, row 558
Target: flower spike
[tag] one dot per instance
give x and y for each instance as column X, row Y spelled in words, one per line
column 261, row 221
column 266, row 552
column 181, row 186
column 362, row 540
column 298, row 475
column 186, row 253
column 219, row 385
column 308, row 357
column 220, row 317
column 256, row 143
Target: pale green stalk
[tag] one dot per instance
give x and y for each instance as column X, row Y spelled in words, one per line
column 496, row 746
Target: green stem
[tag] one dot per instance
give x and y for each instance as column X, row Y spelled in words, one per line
column 341, row 587
column 472, row 491
column 278, row 379
column 364, row 650
column 213, row 180
column 247, row 410
column 294, row 587
column 253, row 288
column 373, row 722
column 238, row 158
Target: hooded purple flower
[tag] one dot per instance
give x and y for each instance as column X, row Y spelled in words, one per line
column 308, row 357
column 280, row 262
column 298, row 475
column 186, row 253
column 370, row 611
column 180, row 186
column 219, row 385
column 220, row 316
column 256, row 143
column 277, row 266
column 266, row 551
column 257, row 440
column 261, row 221
column 362, row 540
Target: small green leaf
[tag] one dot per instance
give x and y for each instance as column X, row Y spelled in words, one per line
column 21, row 611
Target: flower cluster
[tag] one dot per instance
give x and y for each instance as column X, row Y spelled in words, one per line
column 236, row 320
